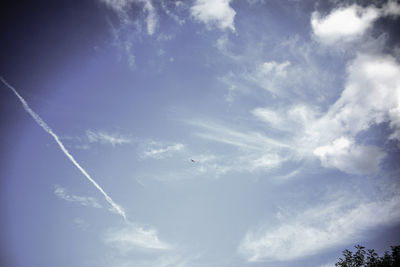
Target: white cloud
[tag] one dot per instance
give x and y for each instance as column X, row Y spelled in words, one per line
column 253, row 151
column 130, row 56
column 349, row 23
column 160, row 150
column 253, row 2
column 165, row 37
column 105, row 138
column 394, row 115
column 392, row 8
column 245, row 140
column 172, row 15
column 234, row 86
column 224, row 45
column 298, row 127
column 133, row 237
column 268, row 161
column 121, row 7
column 273, row 68
column 349, row 157
column 270, row 75
column 295, row 119
column 271, row 117
column 118, row 5
column 319, row 228
column 151, row 20
column 161, row 52
column 372, row 92
column 343, row 24
column 371, row 96
column 84, row 201
column 214, row 13
column 81, row 223
column 285, row 79
column 47, row 129
column 171, row 260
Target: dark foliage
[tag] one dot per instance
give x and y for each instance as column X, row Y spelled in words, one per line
column 369, row 258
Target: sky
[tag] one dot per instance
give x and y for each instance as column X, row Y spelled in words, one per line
column 198, row 133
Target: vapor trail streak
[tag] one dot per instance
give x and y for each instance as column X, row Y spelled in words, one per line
column 45, row 127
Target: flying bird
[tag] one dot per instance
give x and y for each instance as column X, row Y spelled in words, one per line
column 192, row 160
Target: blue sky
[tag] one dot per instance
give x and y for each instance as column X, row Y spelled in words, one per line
column 290, row 111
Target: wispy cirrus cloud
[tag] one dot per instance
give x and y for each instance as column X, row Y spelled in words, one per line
column 270, row 75
column 243, row 139
column 118, row 5
column 282, row 76
column 370, row 97
column 106, row 138
column 272, row 117
column 128, row 26
column 132, row 237
column 305, row 125
column 122, row 7
column 252, row 150
column 82, row 200
column 172, row 259
column 81, row 223
column 178, row 5
column 316, row 229
column 160, row 150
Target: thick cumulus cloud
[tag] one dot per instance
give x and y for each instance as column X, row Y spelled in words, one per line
column 371, row 96
column 349, row 23
column 344, row 24
column 349, row 157
column 214, row 13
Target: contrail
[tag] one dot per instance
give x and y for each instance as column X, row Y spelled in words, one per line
column 45, row 127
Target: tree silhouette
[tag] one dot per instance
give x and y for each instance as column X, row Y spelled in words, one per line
column 369, row 258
